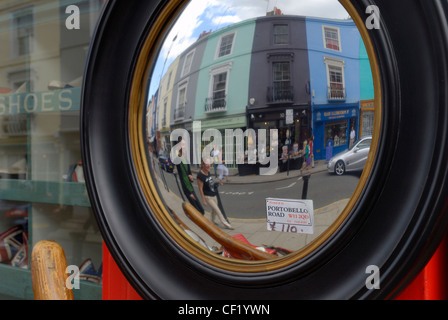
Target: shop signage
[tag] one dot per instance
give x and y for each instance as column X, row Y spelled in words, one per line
column 289, row 116
column 40, row 102
column 367, row 103
column 335, row 114
column 294, row 216
column 224, row 123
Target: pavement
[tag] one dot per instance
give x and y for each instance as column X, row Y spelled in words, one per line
column 256, row 230
column 234, row 178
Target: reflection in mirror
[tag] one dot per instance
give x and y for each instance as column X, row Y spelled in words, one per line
column 259, row 122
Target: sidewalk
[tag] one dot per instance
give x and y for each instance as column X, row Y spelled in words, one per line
column 255, row 230
column 319, row 166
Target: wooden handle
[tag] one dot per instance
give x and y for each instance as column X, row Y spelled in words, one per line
column 48, row 272
column 234, row 246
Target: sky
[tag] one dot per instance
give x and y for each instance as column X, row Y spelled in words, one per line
column 206, row 15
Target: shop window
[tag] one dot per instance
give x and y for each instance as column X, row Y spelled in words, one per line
column 367, row 123
column 43, row 193
column 336, row 132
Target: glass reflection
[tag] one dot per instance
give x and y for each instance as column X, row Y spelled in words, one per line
column 247, row 107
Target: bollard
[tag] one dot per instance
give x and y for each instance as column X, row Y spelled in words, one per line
column 305, row 186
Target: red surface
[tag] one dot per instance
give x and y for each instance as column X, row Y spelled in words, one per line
column 430, row 284
column 115, row 285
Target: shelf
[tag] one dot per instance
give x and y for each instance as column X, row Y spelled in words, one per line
column 16, row 283
column 67, row 193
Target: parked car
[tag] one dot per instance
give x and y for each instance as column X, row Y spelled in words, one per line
column 351, row 159
column 165, row 162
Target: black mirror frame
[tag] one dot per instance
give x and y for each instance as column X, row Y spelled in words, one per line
column 396, row 223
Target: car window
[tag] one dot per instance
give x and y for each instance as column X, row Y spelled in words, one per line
column 364, row 144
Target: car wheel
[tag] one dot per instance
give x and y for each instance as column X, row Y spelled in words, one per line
column 339, row 168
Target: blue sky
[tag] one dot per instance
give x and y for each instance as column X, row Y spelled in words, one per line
column 206, row 15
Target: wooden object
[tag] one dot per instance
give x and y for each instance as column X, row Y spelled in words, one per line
column 48, row 272
column 232, row 245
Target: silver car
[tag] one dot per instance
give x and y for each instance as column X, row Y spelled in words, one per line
column 352, row 159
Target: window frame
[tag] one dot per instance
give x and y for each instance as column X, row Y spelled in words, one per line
column 15, row 31
column 335, row 63
column 324, row 37
column 182, row 86
column 220, row 43
column 276, row 35
column 190, row 63
column 220, row 69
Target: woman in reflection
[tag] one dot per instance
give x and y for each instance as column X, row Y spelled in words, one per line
column 208, row 192
column 186, row 178
column 306, row 158
column 311, row 144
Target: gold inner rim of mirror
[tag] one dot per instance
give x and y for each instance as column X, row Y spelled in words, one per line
column 137, row 105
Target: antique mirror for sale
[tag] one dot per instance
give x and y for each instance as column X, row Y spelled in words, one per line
column 248, row 145
column 279, row 100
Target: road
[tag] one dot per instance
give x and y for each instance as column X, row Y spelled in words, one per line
column 248, row 201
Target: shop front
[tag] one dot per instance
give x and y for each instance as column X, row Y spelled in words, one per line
column 332, row 129
column 292, row 124
column 43, row 193
column 220, row 124
column 367, row 116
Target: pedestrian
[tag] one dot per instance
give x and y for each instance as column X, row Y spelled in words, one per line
column 306, row 157
column 186, row 179
column 215, row 154
column 223, row 170
column 352, row 137
column 208, row 193
column 311, row 143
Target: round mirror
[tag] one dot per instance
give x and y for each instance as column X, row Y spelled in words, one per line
column 258, row 90
column 259, row 123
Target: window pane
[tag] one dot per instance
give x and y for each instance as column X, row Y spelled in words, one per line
column 226, row 45
column 331, row 39
column 281, row 34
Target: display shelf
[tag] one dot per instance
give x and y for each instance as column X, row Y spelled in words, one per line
column 16, row 283
column 67, row 193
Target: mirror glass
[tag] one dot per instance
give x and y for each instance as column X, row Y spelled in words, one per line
column 260, row 114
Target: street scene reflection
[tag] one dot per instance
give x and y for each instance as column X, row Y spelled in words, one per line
column 259, row 117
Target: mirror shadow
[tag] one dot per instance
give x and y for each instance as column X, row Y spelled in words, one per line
column 259, row 123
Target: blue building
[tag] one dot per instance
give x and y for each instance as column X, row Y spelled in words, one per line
column 334, row 55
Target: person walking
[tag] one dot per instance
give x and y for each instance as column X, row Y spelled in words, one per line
column 307, row 159
column 186, row 179
column 208, row 193
column 352, row 137
column 215, row 154
column 223, row 170
column 311, row 144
